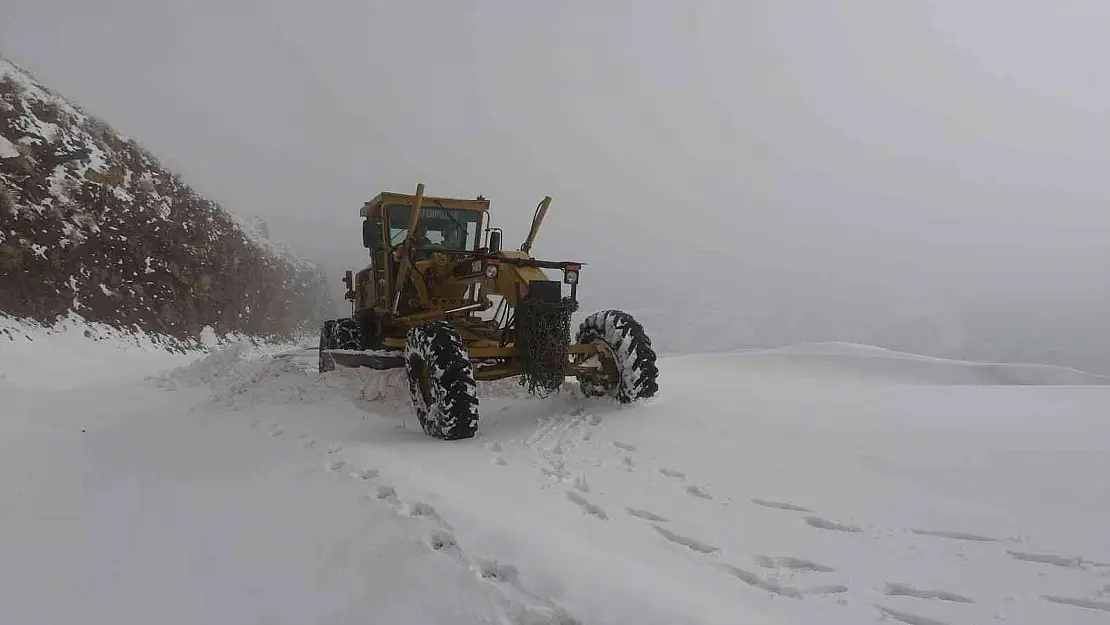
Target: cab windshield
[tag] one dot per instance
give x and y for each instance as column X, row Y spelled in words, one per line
column 439, row 228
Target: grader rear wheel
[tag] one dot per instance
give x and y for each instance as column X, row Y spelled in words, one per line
column 441, row 381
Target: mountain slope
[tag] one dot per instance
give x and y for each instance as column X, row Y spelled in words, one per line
column 91, row 222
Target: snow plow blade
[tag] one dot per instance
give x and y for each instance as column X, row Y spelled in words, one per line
column 377, row 359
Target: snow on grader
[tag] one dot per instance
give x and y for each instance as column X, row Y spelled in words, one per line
column 425, row 303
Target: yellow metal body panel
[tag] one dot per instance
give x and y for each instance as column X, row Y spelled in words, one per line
column 373, row 207
column 435, row 282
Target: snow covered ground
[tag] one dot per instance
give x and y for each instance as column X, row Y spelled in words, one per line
column 815, row 484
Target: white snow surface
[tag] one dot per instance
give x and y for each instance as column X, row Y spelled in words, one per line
column 819, row 484
column 7, row 149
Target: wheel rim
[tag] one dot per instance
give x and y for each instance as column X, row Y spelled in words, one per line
column 424, row 383
column 607, row 378
column 608, row 362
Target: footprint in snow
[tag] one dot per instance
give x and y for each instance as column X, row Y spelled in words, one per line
column 365, row 474
column 1048, row 558
column 441, row 540
column 255, row 423
column 831, row 589
column 586, row 506
column 907, row 618
column 954, row 535
column 678, row 475
column 624, row 446
column 494, row 446
column 646, row 515
column 685, row 541
column 556, row 468
column 308, row 444
column 793, row 564
column 499, row 461
column 1079, row 603
column 780, row 505
column 538, row 615
column 905, row 590
column 495, row 571
column 421, row 509
column 756, row 581
column 593, row 419
column 387, row 493
column 581, row 484
column 823, row 524
column 336, row 464
column 698, row 492
column 277, row 432
column 586, row 435
column 334, row 449
column 627, row 463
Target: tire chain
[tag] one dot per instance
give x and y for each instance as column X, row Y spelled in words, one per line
column 543, row 342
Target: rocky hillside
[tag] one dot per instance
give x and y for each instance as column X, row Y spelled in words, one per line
column 91, row 222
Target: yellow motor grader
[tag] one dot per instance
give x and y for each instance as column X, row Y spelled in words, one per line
column 443, row 300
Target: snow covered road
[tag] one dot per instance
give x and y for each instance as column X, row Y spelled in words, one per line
column 819, row 484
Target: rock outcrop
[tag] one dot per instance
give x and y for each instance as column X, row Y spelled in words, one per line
column 90, row 222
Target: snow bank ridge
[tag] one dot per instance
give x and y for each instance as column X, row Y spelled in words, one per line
column 852, row 359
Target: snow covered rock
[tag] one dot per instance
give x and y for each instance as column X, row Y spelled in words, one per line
column 90, row 222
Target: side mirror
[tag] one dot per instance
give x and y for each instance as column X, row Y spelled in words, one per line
column 349, row 280
column 494, row 241
column 372, row 234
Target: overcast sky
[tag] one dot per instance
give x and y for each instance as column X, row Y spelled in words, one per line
column 928, row 175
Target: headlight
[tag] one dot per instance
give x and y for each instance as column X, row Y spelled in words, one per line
column 571, row 276
column 491, row 271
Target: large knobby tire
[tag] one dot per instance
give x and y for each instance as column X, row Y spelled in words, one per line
column 441, row 381
column 338, row 334
column 622, row 342
column 346, row 334
column 327, row 363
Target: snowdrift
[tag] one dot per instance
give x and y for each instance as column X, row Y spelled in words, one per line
column 853, row 360
column 833, row 484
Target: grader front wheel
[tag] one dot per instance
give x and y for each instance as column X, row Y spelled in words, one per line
column 625, row 367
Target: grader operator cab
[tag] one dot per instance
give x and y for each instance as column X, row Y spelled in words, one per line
column 426, row 303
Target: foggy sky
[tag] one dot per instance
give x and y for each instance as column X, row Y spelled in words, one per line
column 930, row 176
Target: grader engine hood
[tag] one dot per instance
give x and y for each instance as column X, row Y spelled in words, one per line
column 519, row 275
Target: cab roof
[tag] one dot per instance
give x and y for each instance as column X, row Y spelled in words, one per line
column 374, row 206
